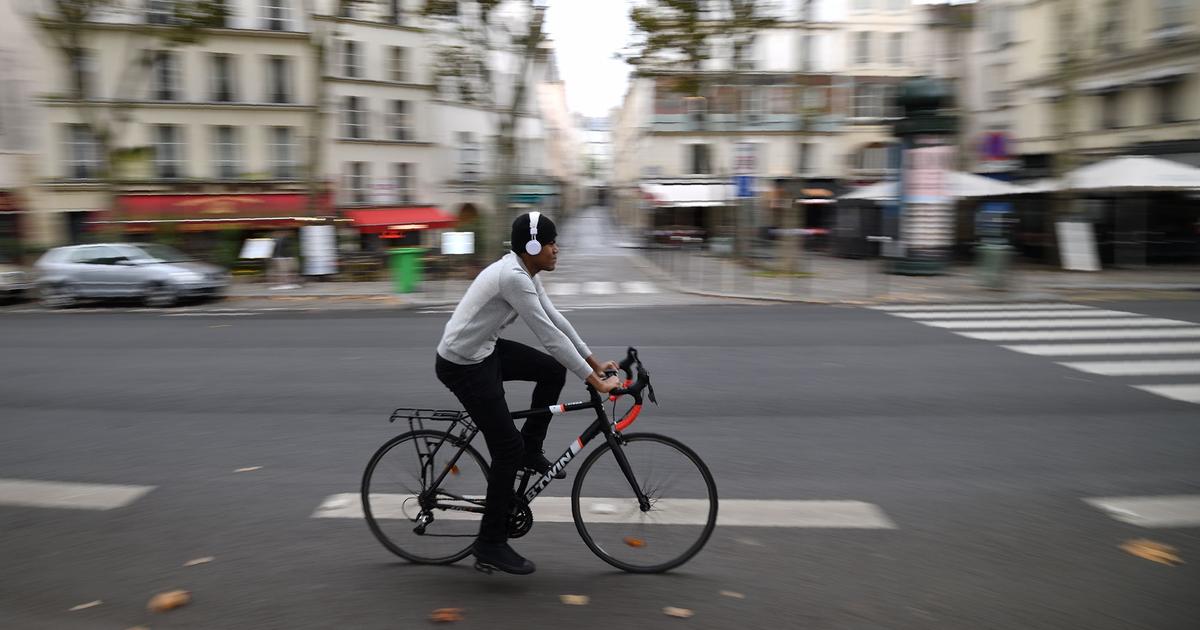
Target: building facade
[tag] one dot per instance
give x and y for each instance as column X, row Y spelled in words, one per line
column 807, row 107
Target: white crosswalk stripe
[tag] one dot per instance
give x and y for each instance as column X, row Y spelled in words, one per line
column 1108, row 334
column 1079, row 335
column 60, row 494
column 1013, row 314
column 600, row 288
column 1152, row 511
column 979, row 307
column 731, row 513
column 1081, row 349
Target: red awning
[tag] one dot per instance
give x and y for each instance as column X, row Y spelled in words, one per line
column 379, row 220
column 212, row 212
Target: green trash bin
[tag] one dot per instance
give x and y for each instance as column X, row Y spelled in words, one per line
column 993, row 261
column 405, row 263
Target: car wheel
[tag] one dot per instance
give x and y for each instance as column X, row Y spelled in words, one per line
column 160, row 295
column 57, row 295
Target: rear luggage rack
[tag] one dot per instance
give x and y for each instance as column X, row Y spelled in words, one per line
column 418, row 417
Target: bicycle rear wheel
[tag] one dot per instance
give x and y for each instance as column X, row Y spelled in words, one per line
column 402, row 470
column 683, row 504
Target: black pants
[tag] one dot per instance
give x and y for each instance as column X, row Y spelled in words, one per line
column 480, row 389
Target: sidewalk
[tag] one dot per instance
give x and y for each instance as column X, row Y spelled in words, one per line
column 824, row 278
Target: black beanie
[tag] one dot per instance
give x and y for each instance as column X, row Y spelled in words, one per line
column 547, row 233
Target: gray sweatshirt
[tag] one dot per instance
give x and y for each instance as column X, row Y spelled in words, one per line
column 502, row 292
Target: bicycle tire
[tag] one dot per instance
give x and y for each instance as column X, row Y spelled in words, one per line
column 710, row 491
column 453, row 442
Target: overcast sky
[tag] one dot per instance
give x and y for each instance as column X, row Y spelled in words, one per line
column 586, row 34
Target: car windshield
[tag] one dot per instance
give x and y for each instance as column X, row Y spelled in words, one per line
column 162, row 253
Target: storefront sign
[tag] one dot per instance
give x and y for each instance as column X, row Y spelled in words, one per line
column 458, row 243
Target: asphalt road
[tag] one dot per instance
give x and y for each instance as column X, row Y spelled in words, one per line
column 980, row 456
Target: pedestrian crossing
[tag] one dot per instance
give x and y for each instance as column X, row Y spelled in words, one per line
column 1149, row 350
column 1150, row 511
column 600, row 288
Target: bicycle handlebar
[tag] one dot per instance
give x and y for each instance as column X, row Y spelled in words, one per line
column 635, row 389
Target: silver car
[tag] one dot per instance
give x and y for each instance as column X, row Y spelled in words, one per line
column 159, row 275
column 14, row 283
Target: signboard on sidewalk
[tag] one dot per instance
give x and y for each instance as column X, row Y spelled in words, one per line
column 458, row 243
column 318, row 246
column 927, row 178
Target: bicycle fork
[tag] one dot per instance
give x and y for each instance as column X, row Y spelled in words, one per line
column 615, row 443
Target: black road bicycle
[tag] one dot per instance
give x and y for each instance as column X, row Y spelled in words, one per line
column 643, row 502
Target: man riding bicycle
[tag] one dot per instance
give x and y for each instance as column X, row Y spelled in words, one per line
column 473, row 362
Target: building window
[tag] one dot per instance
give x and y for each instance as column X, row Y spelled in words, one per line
column 1111, row 41
column 1168, row 98
column 862, row 6
column 698, row 162
column 82, row 152
column 783, row 99
column 874, row 158
column 1000, row 30
column 806, row 157
column 874, row 101
column 282, row 149
column 754, row 102
column 896, row 49
column 351, row 59
column 83, row 74
column 468, row 157
column 1173, row 13
column 395, row 12
column 227, row 152
column 354, row 117
column 279, row 79
column 165, row 76
column 168, row 151
column 814, row 99
column 399, row 122
column 404, row 176
column 1110, row 110
column 397, row 64
column 862, row 47
column 223, row 75
column 160, row 11
column 358, row 182
column 276, row 15
column 998, row 92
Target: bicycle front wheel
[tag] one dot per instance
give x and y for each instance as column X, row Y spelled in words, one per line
column 683, row 504
column 401, row 472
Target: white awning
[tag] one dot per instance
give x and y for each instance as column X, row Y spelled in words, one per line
column 689, row 195
column 1165, row 73
column 1132, row 173
column 960, row 184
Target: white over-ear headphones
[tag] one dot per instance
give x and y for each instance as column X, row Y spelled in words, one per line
column 533, row 247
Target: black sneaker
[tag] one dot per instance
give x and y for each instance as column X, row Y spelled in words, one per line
column 536, row 461
column 500, row 557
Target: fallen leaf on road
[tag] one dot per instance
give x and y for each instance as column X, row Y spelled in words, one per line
column 204, row 560
column 574, row 600
column 1153, row 551
column 138, row 628
column 636, row 543
column 682, row 613
column 446, row 615
column 169, row 600
column 749, row 541
column 86, row 606
column 248, row 469
column 733, row 594
column 454, row 469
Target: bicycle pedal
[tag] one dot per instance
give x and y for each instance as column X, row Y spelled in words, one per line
column 483, row 568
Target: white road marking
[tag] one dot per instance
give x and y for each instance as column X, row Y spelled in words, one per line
column 1074, row 335
column 1104, row 349
column 562, row 288
column 59, row 494
column 944, row 315
column 640, row 287
column 1163, row 511
column 1184, row 393
column 1131, row 322
column 1137, row 368
column 730, row 513
column 598, row 288
column 978, row 307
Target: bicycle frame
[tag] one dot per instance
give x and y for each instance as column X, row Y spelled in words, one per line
column 601, row 425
